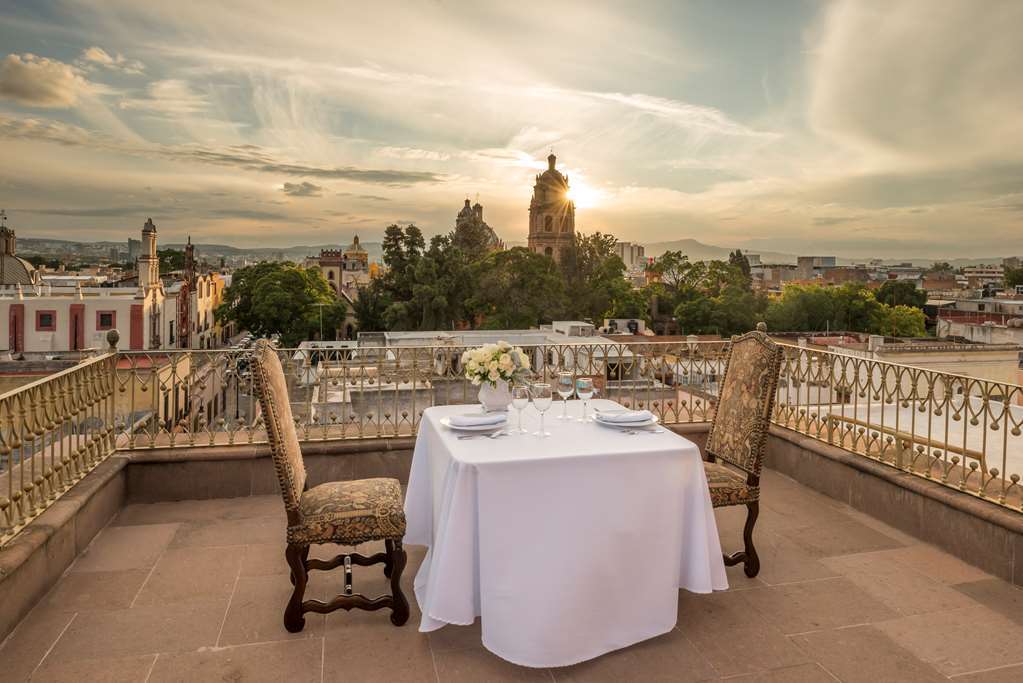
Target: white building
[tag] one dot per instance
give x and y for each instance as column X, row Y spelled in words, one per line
column 632, row 255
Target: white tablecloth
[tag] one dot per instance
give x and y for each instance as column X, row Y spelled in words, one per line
column 567, row 547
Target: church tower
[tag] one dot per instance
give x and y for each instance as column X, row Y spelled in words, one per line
column 551, row 214
column 149, row 262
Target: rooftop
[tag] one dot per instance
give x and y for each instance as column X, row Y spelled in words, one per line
column 194, row 590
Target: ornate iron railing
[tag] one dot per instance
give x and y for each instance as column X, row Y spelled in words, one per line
column 960, row 431
column 53, row 432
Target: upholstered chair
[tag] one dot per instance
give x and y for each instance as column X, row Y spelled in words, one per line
column 344, row 512
column 738, row 433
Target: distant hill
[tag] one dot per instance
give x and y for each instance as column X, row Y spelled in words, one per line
column 698, row 251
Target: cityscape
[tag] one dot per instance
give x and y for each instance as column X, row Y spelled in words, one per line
column 193, row 214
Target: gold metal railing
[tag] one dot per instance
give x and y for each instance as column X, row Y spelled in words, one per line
column 960, row 431
column 53, row 432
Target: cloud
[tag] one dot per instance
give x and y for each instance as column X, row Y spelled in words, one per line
column 937, row 83
column 303, row 189
column 245, row 157
column 170, row 97
column 104, row 212
column 97, row 56
column 40, row 82
column 832, row 220
column 412, row 153
column 367, row 197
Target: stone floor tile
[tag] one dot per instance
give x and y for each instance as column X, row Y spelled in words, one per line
column 959, row 641
column 815, row 605
column 904, row 589
column 842, row 538
column 297, row 661
column 256, row 614
column 472, row 666
column 862, row 654
column 244, row 531
column 264, row 559
column 25, row 647
column 935, row 563
column 732, row 637
column 804, row 673
column 1000, row 596
column 127, row 547
column 782, row 561
column 141, row 630
column 1008, row 674
column 115, row 670
column 366, row 646
column 192, row 573
column 201, row 510
column 670, row 657
column 455, row 637
column 886, row 529
column 78, row 591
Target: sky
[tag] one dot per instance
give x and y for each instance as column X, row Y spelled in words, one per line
column 862, row 128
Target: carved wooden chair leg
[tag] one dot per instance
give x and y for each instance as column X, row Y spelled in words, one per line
column 305, row 563
column 293, row 619
column 396, row 563
column 389, row 562
column 748, row 555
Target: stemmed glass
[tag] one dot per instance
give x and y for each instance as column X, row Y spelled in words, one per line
column 584, row 390
column 566, row 387
column 520, row 399
column 542, row 398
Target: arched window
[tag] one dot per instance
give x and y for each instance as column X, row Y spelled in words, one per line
column 548, row 252
column 548, row 223
column 330, row 275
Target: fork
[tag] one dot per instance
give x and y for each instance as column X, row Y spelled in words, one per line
column 483, row 436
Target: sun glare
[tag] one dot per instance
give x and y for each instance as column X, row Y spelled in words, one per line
column 583, row 195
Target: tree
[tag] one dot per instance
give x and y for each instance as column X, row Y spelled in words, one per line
column 171, row 260
column 941, row 268
column 717, row 298
column 369, row 307
column 516, row 289
column 630, row 302
column 442, row 278
column 739, row 260
column 901, row 292
column 1013, row 277
column 898, row 321
column 284, row 299
column 594, row 277
column 813, row 308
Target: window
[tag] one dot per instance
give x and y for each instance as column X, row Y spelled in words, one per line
column 548, row 252
column 548, row 223
column 330, row 275
column 46, row 321
column 106, row 320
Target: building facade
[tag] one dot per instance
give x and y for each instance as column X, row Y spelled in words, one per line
column 551, row 214
column 345, row 270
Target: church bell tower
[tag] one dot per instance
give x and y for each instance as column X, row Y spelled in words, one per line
column 551, row 214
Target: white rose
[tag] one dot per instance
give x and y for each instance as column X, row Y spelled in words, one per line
column 505, row 359
column 494, row 375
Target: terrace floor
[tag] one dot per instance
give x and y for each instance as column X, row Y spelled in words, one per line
column 194, row 591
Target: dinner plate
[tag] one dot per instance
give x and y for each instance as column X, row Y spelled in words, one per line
column 446, row 421
column 626, row 425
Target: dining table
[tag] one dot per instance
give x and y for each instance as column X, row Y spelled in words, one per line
column 565, row 547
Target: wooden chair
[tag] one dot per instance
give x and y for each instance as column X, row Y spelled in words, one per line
column 343, row 512
column 738, row 434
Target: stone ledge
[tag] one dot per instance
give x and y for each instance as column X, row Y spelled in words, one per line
column 36, row 558
column 255, row 451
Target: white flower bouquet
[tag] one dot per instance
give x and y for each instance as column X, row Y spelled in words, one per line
column 493, row 363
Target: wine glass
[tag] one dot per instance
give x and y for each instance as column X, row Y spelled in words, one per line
column 542, row 398
column 520, row 399
column 566, row 387
column 584, row 390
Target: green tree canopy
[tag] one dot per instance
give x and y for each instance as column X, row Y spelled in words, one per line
column 1013, row 277
column 813, row 308
column 594, row 277
column 516, row 289
column 171, row 259
column 901, row 293
column 282, row 298
column 898, row 321
column 717, row 298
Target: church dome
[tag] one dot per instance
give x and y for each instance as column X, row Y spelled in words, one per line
column 15, row 270
column 552, row 175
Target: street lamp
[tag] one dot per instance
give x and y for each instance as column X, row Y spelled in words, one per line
column 321, row 305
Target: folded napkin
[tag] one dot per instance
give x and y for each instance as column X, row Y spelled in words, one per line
column 477, row 419
column 626, row 416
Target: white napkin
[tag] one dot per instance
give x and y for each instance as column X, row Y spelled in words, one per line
column 477, row 419
column 626, row 417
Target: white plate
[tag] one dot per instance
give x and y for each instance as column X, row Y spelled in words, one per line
column 446, row 421
column 626, row 425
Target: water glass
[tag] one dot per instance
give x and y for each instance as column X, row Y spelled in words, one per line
column 584, row 390
column 566, row 387
column 542, row 397
column 520, row 399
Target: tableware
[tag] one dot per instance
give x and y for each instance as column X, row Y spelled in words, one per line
column 584, row 390
column 566, row 387
column 446, row 421
column 493, row 435
column 542, row 398
column 520, row 399
column 627, row 425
